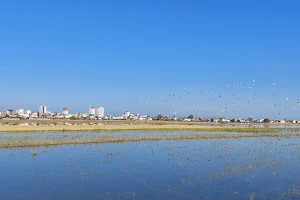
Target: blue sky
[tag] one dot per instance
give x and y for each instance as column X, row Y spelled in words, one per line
column 120, row 53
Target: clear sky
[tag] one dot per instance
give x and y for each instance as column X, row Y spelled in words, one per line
column 119, row 54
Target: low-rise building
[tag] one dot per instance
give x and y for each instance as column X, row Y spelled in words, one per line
column 34, row 115
column 28, row 112
column 65, row 112
column 118, row 117
column 126, row 115
column 20, row 111
column 9, row 111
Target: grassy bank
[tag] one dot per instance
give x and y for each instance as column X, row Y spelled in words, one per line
column 16, row 129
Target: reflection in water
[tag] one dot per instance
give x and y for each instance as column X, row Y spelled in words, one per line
column 248, row 168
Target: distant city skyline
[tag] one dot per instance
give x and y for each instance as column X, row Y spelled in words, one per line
column 62, row 53
column 99, row 111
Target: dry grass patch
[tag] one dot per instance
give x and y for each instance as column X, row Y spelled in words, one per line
column 15, row 129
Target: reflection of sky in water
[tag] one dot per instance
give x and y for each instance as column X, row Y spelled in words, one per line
column 187, row 169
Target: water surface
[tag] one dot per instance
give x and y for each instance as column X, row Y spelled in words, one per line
column 259, row 168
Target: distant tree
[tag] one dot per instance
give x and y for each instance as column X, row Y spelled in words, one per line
column 250, row 119
column 190, row 117
column 212, row 120
column 159, row 117
column 221, row 119
column 233, row 120
column 266, row 120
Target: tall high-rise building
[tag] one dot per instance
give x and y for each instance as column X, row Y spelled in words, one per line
column 92, row 111
column 42, row 111
column 100, row 111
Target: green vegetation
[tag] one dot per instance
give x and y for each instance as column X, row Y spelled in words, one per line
column 161, row 117
column 190, row 116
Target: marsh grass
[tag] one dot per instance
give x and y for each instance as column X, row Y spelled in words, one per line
column 96, row 128
column 35, row 140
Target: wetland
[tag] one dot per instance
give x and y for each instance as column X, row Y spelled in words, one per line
column 171, row 165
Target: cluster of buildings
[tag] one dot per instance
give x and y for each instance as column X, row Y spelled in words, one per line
column 94, row 113
column 239, row 120
column 129, row 116
column 19, row 112
column 44, row 113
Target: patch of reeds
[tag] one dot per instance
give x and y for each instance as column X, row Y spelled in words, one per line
column 61, row 128
column 70, row 139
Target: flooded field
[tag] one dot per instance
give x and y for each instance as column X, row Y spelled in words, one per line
column 227, row 168
column 34, row 139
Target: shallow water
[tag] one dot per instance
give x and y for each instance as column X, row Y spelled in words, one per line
column 259, row 168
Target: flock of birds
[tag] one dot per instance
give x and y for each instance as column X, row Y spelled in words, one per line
column 247, row 100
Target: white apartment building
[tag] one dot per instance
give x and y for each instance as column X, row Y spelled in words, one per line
column 100, row 111
column 92, row 111
column 42, row 111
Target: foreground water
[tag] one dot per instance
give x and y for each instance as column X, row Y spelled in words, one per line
column 248, row 168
